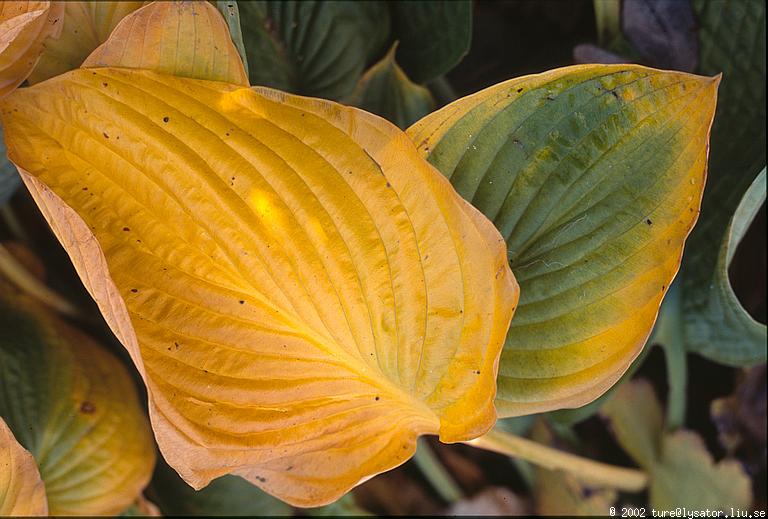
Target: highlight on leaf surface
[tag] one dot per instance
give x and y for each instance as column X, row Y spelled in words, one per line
column 188, row 39
column 594, row 176
column 74, row 407
column 24, row 27
column 303, row 294
column 22, row 492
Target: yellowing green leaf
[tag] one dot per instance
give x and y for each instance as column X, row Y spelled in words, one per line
column 303, row 294
column 24, row 27
column 386, row 91
column 189, row 39
column 22, row 492
column 86, row 25
column 594, row 175
column 75, row 408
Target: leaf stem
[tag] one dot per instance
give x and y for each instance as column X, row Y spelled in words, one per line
column 586, row 470
column 11, row 269
column 436, row 473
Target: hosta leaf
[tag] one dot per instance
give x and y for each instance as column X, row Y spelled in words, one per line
column 22, row 492
column 231, row 14
column 187, row 39
column 24, row 27
column 433, row 35
column 386, row 91
column 593, row 174
column 732, row 40
column 687, row 476
column 723, row 330
column 303, row 294
column 317, row 48
column 75, row 408
column 86, row 25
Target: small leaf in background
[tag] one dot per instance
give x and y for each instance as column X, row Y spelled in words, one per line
column 593, row 174
column 636, row 419
column 85, row 26
column 24, row 27
column 663, row 32
column 386, row 91
column 22, row 492
column 311, row 47
column 557, row 492
column 186, row 39
column 75, row 408
column 433, row 35
column 681, row 470
column 493, row 501
column 686, row 476
column 232, row 223
column 227, row 495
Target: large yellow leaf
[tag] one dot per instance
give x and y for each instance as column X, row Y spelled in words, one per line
column 86, row 26
column 303, row 294
column 75, row 408
column 189, row 39
column 594, row 175
column 22, row 492
column 24, row 27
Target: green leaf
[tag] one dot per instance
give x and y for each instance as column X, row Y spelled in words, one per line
column 9, row 178
column 386, row 91
column 227, row 495
column 75, row 408
column 732, row 41
column 312, row 48
column 680, row 469
column 636, row 419
column 433, row 35
column 593, row 174
column 686, row 476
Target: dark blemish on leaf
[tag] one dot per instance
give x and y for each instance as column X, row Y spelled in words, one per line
column 227, row 134
column 134, row 290
column 105, row 135
column 648, row 221
column 126, row 229
column 85, row 189
column 614, row 94
column 241, row 302
column 138, row 241
column 105, row 84
column 166, row 119
column 477, row 372
column 389, row 185
column 176, row 344
column 519, row 90
column 261, row 478
column 377, row 398
column 87, row 407
column 289, row 468
column 550, row 97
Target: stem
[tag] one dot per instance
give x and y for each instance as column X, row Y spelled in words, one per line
column 19, row 276
column 436, row 473
column 586, row 470
column 669, row 333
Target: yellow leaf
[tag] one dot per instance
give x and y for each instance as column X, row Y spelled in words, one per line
column 75, row 408
column 302, row 293
column 188, row 39
column 86, row 26
column 22, row 492
column 594, row 176
column 24, row 26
